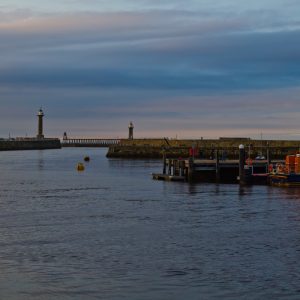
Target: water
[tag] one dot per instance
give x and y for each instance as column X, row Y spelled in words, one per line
column 111, row 232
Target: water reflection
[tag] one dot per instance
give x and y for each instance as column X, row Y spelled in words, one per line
column 192, row 188
column 244, row 190
column 40, row 160
column 295, row 192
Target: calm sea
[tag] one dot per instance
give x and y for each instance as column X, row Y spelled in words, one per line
column 111, row 232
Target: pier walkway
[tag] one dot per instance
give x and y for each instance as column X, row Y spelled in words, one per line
column 84, row 142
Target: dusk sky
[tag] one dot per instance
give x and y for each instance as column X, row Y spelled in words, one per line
column 185, row 68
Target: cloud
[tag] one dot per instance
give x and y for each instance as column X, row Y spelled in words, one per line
column 147, row 50
column 170, row 70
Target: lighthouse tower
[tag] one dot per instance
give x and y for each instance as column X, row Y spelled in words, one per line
column 130, row 128
column 40, row 116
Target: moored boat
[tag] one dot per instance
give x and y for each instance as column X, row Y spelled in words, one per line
column 287, row 175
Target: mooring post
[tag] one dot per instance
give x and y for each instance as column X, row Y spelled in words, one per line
column 165, row 163
column 242, row 164
column 177, row 168
column 182, row 163
column 169, row 167
column 191, row 169
column 268, row 157
column 217, row 165
column 173, row 167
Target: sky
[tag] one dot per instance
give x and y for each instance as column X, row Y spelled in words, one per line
column 180, row 68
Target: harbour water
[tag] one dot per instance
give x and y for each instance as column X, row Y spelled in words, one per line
column 111, row 232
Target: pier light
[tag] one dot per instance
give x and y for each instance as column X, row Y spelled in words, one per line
column 40, row 116
column 130, row 128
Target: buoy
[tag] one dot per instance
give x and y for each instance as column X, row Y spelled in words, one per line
column 86, row 158
column 80, row 167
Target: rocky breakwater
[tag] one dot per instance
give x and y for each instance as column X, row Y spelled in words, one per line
column 227, row 148
column 29, row 144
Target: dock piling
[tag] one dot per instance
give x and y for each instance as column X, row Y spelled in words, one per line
column 169, row 166
column 191, row 169
column 268, row 157
column 217, row 165
column 242, row 164
column 165, row 163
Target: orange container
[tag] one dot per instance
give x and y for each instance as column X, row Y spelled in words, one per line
column 297, row 164
column 290, row 168
column 290, row 159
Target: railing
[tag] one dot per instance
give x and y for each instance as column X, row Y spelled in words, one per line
column 81, row 142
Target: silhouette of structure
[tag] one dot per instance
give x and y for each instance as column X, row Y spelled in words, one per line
column 40, row 116
column 130, row 128
column 65, row 136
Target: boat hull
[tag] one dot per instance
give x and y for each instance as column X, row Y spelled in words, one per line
column 286, row 180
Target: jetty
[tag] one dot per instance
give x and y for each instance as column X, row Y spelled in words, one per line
column 244, row 171
column 203, row 148
column 227, row 171
column 31, row 143
column 89, row 142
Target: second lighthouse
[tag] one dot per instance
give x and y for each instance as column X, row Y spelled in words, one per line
column 40, row 116
column 130, row 129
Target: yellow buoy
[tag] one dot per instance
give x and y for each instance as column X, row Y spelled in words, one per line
column 80, row 167
column 86, row 158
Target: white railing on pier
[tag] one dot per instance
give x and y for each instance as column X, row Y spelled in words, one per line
column 90, row 141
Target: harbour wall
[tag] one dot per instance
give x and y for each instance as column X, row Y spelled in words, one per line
column 29, row 144
column 227, row 147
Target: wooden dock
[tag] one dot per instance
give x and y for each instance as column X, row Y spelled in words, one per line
column 215, row 170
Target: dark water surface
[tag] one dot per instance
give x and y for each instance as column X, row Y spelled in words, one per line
column 112, row 232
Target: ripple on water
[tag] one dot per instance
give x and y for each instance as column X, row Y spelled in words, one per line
column 114, row 233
